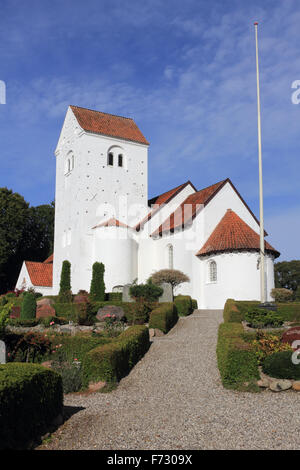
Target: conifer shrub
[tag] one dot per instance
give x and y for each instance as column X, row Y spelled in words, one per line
column 97, row 290
column 28, row 307
column 65, row 293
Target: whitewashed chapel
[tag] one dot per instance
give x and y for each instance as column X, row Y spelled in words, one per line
column 102, row 213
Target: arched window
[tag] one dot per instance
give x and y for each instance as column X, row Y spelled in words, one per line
column 110, row 159
column 69, row 163
column 170, row 256
column 212, row 271
column 120, row 159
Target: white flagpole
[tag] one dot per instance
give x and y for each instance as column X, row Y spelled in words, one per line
column 261, row 210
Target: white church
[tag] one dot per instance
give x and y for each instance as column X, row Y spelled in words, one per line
column 102, row 213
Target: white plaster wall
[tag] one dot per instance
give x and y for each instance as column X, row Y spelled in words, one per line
column 92, row 192
column 237, row 278
column 117, row 250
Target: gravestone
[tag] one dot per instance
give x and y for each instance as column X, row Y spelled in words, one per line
column 125, row 296
column 111, row 310
column 44, row 311
column 291, row 335
column 2, row 352
column 167, row 295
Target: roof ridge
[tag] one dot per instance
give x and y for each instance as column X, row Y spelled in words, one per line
column 102, row 112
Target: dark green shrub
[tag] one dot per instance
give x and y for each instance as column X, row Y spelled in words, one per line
column 280, row 365
column 28, row 308
column 145, row 292
column 194, row 304
column 114, row 360
column 97, row 290
column 113, row 296
column 260, row 318
column 31, row 396
column 237, row 360
column 65, row 293
column 164, row 317
column 184, row 305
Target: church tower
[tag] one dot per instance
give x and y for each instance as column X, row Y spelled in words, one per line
column 101, row 175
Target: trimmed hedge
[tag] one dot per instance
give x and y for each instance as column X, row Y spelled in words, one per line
column 113, row 361
column 184, row 305
column 237, row 361
column 164, row 317
column 31, row 397
column 194, row 304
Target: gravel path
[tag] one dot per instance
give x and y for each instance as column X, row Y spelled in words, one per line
column 173, row 399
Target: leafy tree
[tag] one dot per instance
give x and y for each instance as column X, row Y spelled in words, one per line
column 26, row 233
column 171, row 276
column 38, row 238
column 13, row 218
column 97, row 290
column 65, row 293
column 287, row 274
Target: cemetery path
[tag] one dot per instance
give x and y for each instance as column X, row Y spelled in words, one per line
column 174, row 399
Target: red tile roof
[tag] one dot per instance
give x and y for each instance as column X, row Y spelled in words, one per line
column 112, row 223
column 49, row 260
column 158, row 201
column 40, row 273
column 187, row 211
column 233, row 234
column 108, row 124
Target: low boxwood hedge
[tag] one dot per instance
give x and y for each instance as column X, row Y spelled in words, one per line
column 194, row 304
column 237, row 361
column 114, row 360
column 280, row 366
column 31, row 397
column 184, row 305
column 164, row 317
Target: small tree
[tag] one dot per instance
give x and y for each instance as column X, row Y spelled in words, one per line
column 171, row 276
column 65, row 293
column 97, row 290
column 28, row 308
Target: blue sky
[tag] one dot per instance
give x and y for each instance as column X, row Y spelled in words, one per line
column 185, row 71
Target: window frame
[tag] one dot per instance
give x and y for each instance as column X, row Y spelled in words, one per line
column 212, row 272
